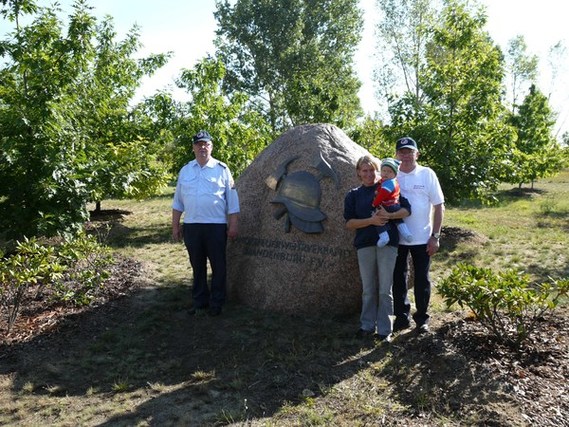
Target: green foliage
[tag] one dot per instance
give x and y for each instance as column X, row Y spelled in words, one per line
column 522, row 67
column 31, row 265
column 370, row 135
column 119, row 161
column 460, row 125
column 452, row 78
column 11, row 9
column 131, row 169
column 294, row 59
column 403, row 34
column 506, row 303
column 239, row 132
column 86, row 265
column 537, row 154
column 67, row 134
column 69, row 271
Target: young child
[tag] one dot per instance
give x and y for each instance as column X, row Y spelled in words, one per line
column 387, row 196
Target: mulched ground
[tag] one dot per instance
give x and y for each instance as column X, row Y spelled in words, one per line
column 537, row 376
column 37, row 315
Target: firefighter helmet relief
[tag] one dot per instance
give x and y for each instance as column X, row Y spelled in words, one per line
column 299, row 194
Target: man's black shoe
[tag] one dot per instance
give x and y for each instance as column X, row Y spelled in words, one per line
column 423, row 329
column 362, row 333
column 196, row 311
column 400, row 325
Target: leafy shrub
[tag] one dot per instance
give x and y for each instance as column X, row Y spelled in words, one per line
column 69, row 271
column 32, row 264
column 86, row 263
column 507, row 303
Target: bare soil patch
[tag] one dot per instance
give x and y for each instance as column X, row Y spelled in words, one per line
column 451, row 236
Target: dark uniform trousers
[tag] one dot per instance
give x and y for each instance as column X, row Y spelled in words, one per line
column 207, row 242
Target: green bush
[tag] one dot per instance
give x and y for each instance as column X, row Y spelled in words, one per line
column 68, row 272
column 507, row 303
column 86, row 268
column 31, row 265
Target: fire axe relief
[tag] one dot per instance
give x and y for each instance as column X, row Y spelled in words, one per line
column 299, row 194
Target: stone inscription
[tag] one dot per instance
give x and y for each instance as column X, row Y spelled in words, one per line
column 309, row 254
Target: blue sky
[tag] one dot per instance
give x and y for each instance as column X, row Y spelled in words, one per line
column 187, row 28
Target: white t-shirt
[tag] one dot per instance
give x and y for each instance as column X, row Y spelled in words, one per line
column 421, row 187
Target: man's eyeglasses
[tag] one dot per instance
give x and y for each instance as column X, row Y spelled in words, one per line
column 203, row 144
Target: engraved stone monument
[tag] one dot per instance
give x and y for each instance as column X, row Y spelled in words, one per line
column 293, row 253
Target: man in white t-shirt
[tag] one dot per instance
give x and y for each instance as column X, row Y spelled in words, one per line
column 421, row 187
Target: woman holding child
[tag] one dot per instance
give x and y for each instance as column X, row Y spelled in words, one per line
column 376, row 262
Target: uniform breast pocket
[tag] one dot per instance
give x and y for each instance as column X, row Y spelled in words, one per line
column 214, row 185
column 190, row 186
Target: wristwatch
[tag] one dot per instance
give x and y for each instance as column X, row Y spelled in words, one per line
column 436, row 235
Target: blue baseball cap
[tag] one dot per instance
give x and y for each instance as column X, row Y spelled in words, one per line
column 202, row 135
column 406, row 142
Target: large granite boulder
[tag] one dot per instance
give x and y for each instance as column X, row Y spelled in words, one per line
column 293, row 253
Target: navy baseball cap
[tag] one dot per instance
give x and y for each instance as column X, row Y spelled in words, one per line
column 202, row 135
column 406, row 142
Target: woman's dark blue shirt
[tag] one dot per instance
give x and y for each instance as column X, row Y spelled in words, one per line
column 358, row 205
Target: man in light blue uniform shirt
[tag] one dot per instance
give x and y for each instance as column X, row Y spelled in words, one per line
column 206, row 197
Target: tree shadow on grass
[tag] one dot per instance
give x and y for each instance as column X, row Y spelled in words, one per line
column 117, row 235
column 545, row 274
column 149, row 339
column 520, row 192
column 503, row 197
column 121, row 236
column 105, row 215
column 201, row 370
column 437, row 381
column 553, row 219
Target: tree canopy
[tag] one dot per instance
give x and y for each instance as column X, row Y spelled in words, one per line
column 522, row 68
column 293, row 58
column 536, row 153
column 239, row 132
column 66, row 132
column 446, row 91
column 70, row 134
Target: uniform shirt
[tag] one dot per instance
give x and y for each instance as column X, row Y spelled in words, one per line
column 421, row 187
column 205, row 194
column 357, row 205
